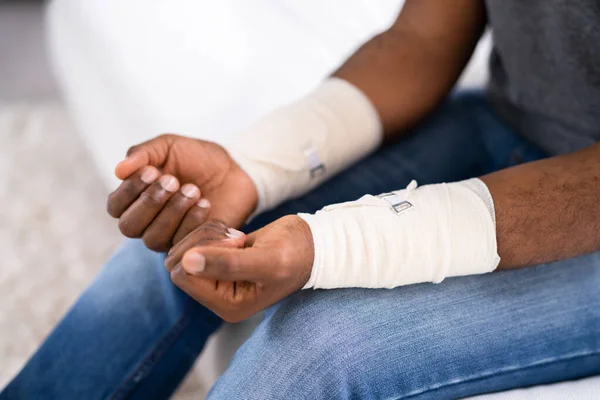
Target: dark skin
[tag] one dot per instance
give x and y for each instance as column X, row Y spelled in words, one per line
column 162, row 218
column 409, row 69
column 245, row 257
column 545, row 211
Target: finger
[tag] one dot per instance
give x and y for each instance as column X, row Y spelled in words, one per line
column 195, row 217
column 209, row 233
column 140, row 214
column 174, row 259
column 129, row 190
column 130, row 164
column 153, row 152
column 232, row 301
column 248, row 264
column 214, row 226
column 158, row 236
column 201, row 290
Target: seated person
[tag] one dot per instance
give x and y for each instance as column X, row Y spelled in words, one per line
column 523, row 201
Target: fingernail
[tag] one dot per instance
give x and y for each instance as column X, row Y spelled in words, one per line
column 235, row 233
column 204, row 203
column 149, row 175
column 169, row 183
column 190, row 191
column 194, row 263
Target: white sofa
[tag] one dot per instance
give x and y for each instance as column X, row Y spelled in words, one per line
column 132, row 69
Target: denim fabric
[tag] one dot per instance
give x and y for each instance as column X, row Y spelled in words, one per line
column 463, row 337
column 133, row 335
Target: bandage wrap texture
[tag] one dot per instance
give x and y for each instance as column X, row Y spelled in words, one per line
column 297, row 147
column 448, row 231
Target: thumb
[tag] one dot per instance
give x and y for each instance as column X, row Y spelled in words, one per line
column 229, row 264
column 178, row 251
column 153, row 152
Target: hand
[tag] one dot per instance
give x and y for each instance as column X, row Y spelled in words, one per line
column 152, row 207
column 237, row 275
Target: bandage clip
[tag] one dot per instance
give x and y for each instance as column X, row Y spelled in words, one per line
column 396, row 203
column 317, row 169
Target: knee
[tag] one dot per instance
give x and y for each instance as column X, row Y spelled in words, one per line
column 310, row 347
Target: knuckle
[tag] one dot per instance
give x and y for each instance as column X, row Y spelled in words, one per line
column 198, row 234
column 283, row 256
column 180, row 278
column 132, row 149
column 197, row 217
column 179, row 236
column 236, row 302
column 220, row 263
column 207, row 232
column 282, row 273
column 179, row 205
column 150, row 199
column 130, row 187
column 285, row 260
column 177, row 278
column 169, row 263
column 111, row 207
column 166, row 136
column 155, row 243
column 127, row 229
column 229, row 265
column 165, row 139
column 231, row 316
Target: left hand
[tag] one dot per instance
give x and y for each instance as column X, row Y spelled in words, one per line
column 237, row 275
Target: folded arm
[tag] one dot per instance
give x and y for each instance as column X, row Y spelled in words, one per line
column 542, row 211
column 546, row 210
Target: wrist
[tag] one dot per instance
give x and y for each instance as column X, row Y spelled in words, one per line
column 416, row 235
column 302, row 250
column 245, row 191
column 297, row 147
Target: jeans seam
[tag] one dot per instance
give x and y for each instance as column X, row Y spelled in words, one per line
column 153, row 357
column 501, row 371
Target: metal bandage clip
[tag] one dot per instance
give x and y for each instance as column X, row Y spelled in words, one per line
column 397, row 204
column 317, row 169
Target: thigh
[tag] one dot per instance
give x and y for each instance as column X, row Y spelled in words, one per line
column 464, row 138
column 132, row 334
column 465, row 336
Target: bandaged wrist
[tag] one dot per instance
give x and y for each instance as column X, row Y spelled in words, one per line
column 297, row 147
column 408, row 236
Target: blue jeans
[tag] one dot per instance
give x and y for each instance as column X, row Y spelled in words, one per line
column 133, row 335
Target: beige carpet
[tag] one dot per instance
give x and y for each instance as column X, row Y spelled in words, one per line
column 54, row 232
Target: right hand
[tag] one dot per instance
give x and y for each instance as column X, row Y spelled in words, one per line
column 236, row 275
column 149, row 204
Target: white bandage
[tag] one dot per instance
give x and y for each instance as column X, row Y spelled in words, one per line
column 297, row 147
column 405, row 237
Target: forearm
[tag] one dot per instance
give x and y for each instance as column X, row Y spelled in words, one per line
column 389, row 84
column 408, row 69
column 547, row 210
